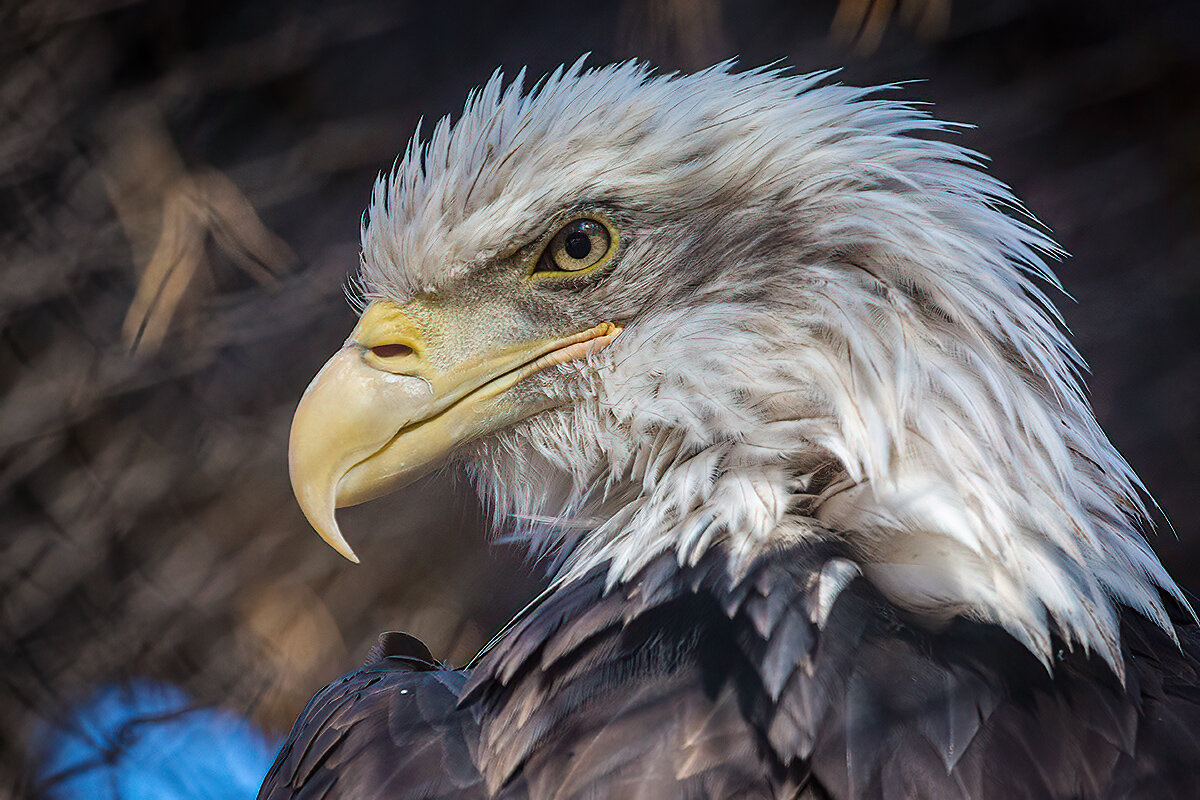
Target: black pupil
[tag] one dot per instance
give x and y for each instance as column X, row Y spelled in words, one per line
column 577, row 245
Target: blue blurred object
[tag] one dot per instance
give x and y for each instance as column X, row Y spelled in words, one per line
column 146, row 741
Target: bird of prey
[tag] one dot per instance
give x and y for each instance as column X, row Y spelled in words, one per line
column 763, row 368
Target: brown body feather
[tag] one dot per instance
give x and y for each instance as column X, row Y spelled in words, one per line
column 797, row 680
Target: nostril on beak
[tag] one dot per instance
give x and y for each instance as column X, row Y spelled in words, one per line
column 391, row 350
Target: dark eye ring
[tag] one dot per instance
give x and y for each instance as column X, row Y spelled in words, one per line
column 578, row 245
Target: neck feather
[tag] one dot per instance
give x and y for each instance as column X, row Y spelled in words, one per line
column 965, row 485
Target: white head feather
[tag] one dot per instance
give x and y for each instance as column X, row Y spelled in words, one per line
column 834, row 329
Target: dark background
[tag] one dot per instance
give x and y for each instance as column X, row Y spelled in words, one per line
column 181, row 185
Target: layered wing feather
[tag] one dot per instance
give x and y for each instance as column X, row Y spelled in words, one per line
column 391, row 729
column 794, row 678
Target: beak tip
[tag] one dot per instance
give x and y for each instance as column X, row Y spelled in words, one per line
column 333, row 537
column 342, row 549
column 323, row 520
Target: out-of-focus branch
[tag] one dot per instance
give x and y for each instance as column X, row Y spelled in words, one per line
column 158, row 200
column 686, row 33
column 862, row 23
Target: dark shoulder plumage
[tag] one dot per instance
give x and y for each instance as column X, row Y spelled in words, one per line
column 391, row 729
column 797, row 677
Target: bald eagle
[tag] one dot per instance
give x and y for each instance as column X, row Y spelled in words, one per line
column 763, row 368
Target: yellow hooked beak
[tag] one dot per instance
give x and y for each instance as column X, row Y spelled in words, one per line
column 388, row 408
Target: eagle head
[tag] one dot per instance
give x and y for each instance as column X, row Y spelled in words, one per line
column 667, row 313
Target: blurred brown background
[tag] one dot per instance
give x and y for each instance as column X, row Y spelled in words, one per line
column 180, row 191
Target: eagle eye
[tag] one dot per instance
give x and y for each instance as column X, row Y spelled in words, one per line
column 578, row 245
